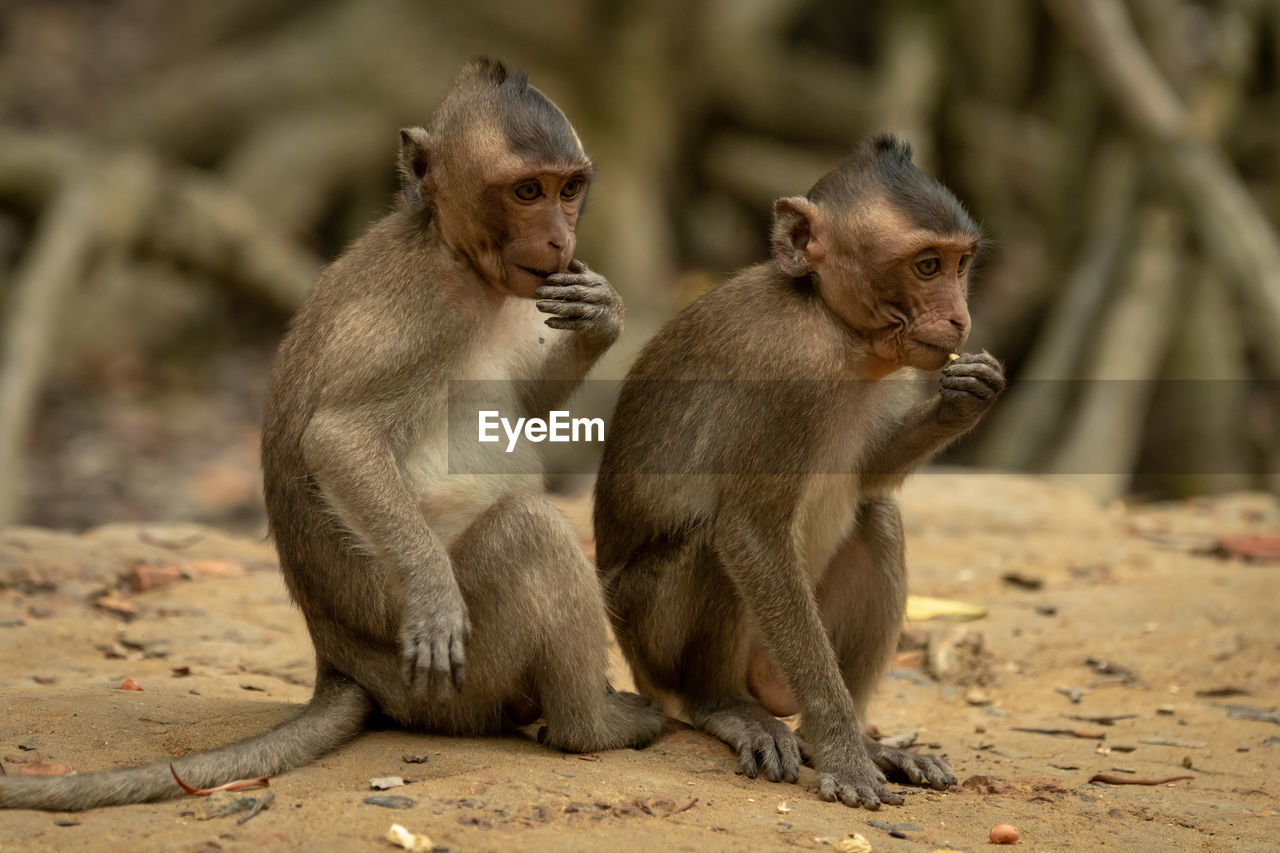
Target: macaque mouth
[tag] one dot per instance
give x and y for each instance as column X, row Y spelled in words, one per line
column 934, row 347
column 537, row 272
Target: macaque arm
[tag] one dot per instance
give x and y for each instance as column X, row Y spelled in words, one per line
column 970, row 384
column 759, row 558
column 910, row 441
column 584, row 304
column 561, row 374
column 355, row 468
column 755, row 548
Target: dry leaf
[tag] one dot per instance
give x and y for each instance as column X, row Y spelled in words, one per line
column 40, row 769
column 238, row 785
column 1261, row 547
column 217, row 568
column 147, row 576
column 113, row 603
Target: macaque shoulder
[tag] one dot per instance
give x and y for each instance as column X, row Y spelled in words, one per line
column 746, row 328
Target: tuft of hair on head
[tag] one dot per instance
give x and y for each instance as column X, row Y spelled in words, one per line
column 881, row 167
column 885, row 146
column 534, row 127
column 489, row 70
column 492, row 99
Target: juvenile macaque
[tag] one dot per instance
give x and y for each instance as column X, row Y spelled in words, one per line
column 451, row 603
column 747, row 540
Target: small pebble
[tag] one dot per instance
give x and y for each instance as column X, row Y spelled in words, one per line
column 1003, row 833
column 389, row 802
column 130, row 684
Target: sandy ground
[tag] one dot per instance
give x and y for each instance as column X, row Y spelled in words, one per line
column 221, row 654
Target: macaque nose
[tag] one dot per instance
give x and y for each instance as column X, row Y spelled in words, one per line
column 560, row 238
column 558, row 233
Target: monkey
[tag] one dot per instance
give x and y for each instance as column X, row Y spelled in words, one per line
column 748, row 540
column 455, row 603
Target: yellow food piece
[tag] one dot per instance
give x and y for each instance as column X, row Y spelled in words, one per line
column 922, row 607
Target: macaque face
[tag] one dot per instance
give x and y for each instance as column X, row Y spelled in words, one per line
column 890, row 251
column 902, row 287
column 504, row 177
column 926, row 304
column 541, row 214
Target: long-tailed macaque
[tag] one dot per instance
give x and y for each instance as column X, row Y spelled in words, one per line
column 749, row 547
column 451, row 603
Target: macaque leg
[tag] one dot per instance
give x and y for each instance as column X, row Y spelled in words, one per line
column 539, row 635
column 720, row 701
column 862, row 599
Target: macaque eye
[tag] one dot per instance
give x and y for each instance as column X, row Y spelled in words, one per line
column 928, row 266
column 964, row 263
column 528, row 191
column 573, row 189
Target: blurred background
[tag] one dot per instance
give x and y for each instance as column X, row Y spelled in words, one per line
column 173, row 175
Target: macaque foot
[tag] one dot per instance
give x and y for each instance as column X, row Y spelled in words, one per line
column 924, row 769
column 629, row 721
column 764, row 744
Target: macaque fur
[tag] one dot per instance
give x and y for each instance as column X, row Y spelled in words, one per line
column 450, row 603
column 747, row 540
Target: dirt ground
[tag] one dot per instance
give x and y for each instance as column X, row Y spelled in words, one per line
column 1183, row 643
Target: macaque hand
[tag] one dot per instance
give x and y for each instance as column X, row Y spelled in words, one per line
column 433, row 634
column 581, row 301
column 970, row 384
column 852, row 777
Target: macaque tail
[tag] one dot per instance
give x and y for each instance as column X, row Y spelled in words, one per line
column 337, row 712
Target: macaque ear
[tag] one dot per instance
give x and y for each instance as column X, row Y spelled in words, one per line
column 797, row 230
column 415, row 167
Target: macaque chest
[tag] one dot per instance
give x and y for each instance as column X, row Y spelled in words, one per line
column 454, row 476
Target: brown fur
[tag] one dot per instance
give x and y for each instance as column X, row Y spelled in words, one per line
column 749, row 547
column 452, row 603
